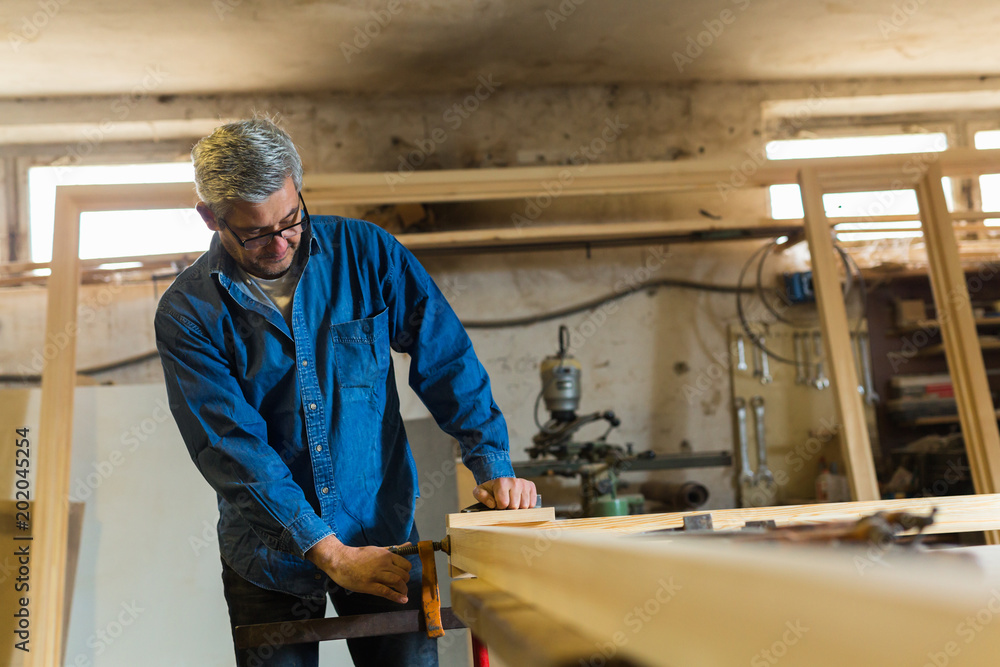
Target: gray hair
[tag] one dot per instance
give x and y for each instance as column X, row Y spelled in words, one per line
column 248, row 160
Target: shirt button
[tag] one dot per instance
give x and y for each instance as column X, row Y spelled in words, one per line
column 312, row 406
column 305, row 363
column 317, row 576
column 326, row 490
column 319, row 448
column 366, row 327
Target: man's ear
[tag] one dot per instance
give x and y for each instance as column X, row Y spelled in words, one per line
column 206, row 214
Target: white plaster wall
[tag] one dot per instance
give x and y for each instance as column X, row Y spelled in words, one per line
column 148, row 588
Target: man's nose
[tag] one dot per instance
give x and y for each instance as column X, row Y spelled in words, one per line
column 278, row 243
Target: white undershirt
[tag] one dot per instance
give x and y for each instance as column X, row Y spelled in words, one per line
column 278, row 291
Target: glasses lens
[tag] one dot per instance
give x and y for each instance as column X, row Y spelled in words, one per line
column 257, row 243
column 286, row 233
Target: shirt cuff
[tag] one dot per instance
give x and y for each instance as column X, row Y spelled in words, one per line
column 484, row 469
column 302, row 534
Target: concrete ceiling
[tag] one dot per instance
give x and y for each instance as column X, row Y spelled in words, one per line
column 94, row 47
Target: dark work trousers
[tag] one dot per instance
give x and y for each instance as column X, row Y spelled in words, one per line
column 249, row 604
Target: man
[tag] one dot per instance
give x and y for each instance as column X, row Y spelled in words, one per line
column 275, row 348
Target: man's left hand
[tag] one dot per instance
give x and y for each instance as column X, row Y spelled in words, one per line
column 506, row 493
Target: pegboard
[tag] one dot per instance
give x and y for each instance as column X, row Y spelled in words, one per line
column 800, row 419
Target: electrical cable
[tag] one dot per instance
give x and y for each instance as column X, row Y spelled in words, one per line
column 853, row 277
column 600, row 301
column 528, row 320
column 93, row 370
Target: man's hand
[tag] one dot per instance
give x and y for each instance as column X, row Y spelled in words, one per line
column 506, row 493
column 371, row 570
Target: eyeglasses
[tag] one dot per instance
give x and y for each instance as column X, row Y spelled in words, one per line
column 258, row 242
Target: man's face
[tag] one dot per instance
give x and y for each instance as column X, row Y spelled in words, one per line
column 250, row 220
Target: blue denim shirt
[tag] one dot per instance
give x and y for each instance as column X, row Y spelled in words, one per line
column 299, row 431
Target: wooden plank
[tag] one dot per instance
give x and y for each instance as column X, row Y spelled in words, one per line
column 497, row 517
column 839, row 361
column 492, row 518
column 955, row 514
column 540, row 235
column 867, row 172
column 961, row 340
column 520, row 634
column 9, row 596
column 939, row 273
column 711, row 601
column 54, row 444
column 131, row 196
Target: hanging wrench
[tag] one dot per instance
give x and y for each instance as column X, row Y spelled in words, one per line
column 741, row 353
column 765, row 371
column 765, row 489
column 864, row 351
column 800, row 373
column 746, row 472
column 821, row 381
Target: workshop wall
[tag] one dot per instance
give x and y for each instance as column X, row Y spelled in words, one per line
column 647, row 358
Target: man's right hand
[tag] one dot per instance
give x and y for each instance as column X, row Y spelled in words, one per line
column 372, row 570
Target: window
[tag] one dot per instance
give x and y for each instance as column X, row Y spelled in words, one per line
column 989, row 184
column 786, row 200
column 116, row 233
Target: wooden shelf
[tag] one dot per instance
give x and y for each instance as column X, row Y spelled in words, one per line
column 938, row 420
column 934, row 324
column 985, row 344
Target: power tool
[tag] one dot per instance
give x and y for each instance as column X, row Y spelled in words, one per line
column 597, row 462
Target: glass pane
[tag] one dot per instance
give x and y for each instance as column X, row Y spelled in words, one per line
column 42, row 182
column 128, row 233
column 786, row 201
column 988, row 139
column 932, row 142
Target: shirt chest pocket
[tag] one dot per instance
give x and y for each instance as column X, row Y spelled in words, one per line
column 361, row 352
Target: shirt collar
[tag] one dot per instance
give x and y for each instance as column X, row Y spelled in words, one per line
column 221, row 263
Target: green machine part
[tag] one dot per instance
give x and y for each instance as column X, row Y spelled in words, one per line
column 623, row 505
